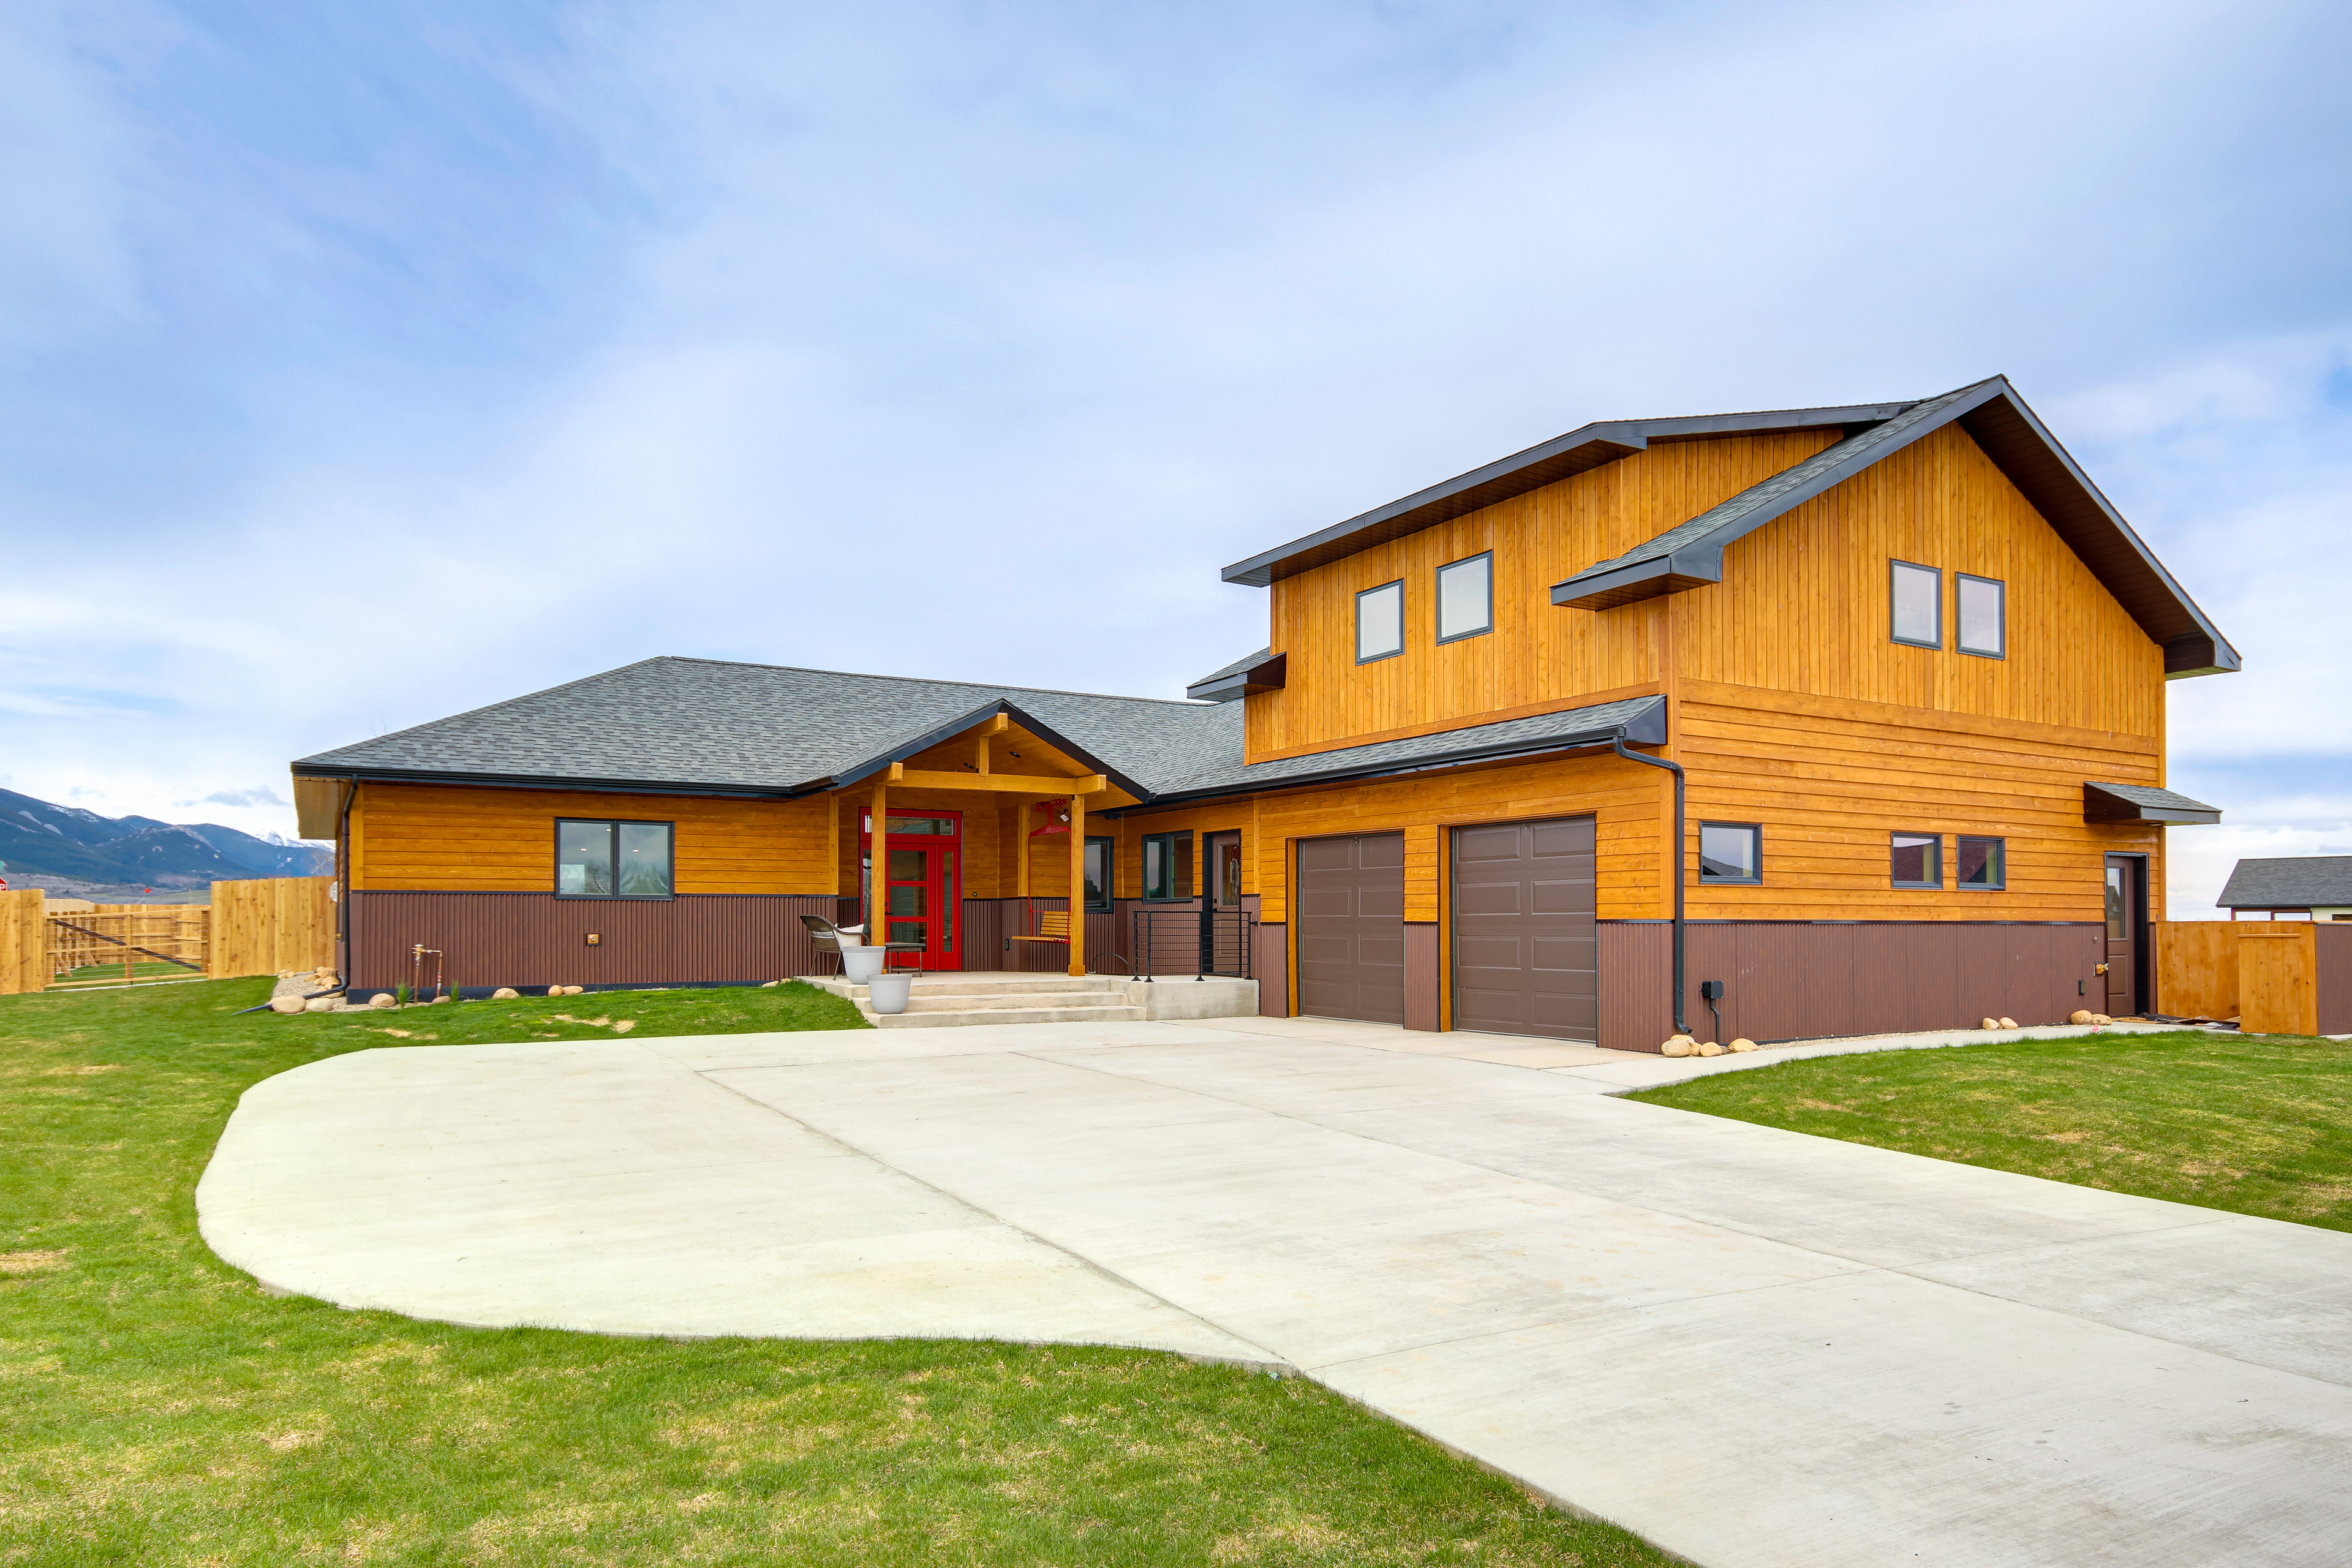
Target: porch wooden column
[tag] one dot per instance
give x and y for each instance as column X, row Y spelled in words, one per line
column 877, row 854
column 1077, row 884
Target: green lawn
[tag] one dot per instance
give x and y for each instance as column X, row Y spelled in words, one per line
column 155, row 1408
column 2260, row 1125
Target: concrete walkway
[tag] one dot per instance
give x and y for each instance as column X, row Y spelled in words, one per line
column 1753, row 1347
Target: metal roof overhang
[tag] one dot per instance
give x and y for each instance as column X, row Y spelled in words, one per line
column 1263, row 674
column 1563, row 456
column 2116, row 803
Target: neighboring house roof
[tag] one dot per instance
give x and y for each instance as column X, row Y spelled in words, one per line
column 2298, row 882
column 1690, row 554
column 2143, row 803
column 706, row 726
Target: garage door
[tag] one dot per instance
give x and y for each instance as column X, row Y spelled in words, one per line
column 1526, row 952
column 1351, row 927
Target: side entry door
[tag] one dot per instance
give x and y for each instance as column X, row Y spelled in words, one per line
column 2126, row 901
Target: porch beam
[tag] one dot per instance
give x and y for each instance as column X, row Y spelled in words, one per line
column 1010, row 784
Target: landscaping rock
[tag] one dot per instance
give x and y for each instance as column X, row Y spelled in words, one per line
column 505, row 993
column 289, row 1004
column 383, row 999
column 2082, row 1015
column 2009, row 1023
column 1678, row 1046
column 1710, row 1048
column 1990, row 1024
column 322, row 1004
column 1743, row 1044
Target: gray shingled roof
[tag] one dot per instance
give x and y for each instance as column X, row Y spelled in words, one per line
column 770, row 729
column 1247, row 662
column 1723, row 523
column 1643, row 719
column 2298, row 882
column 2166, row 802
column 698, row 724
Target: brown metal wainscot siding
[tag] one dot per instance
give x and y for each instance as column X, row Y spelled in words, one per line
column 1799, row 979
column 537, row 938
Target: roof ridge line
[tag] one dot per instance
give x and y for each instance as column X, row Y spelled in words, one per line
column 908, row 679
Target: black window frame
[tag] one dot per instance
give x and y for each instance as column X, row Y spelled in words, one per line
column 1935, row 839
column 1755, row 831
column 1893, row 631
column 2001, row 856
column 1396, row 652
column 1111, row 871
column 617, row 824
column 1960, row 621
column 1437, row 599
column 1143, row 868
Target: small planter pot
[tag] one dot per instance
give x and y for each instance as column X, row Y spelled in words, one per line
column 888, row 993
column 860, row 964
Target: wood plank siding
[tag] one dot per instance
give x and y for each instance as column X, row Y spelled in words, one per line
column 436, row 837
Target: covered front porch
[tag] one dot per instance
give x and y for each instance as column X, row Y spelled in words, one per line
column 946, row 999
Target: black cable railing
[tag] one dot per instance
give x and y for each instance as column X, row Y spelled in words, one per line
column 1170, row 944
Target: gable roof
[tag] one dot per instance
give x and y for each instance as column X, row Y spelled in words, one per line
column 1691, row 553
column 702, row 726
column 713, row 727
column 2295, row 882
column 1583, row 448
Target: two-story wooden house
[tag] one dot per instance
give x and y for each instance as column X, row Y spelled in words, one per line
column 1851, row 718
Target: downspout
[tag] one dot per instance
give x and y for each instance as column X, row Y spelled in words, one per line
column 1675, row 859
column 343, row 870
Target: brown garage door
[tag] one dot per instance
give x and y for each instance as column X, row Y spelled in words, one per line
column 1525, row 953
column 1351, row 927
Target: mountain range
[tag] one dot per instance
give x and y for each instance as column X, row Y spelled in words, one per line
column 40, row 839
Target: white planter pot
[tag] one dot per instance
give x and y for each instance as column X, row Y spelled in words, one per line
column 888, row 993
column 860, row 964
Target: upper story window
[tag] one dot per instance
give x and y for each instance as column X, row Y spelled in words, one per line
column 1379, row 622
column 1465, row 597
column 1918, row 860
column 1918, row 605
column 1982, row 863
column 1984, row 617
column 612, row 859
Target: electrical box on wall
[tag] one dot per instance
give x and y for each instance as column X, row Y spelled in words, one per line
column 594, row 938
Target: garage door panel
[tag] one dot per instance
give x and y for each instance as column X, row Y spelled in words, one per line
column 1350, row 913
column 1526, row 941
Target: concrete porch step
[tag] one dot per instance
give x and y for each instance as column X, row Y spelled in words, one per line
column 1108, row 1014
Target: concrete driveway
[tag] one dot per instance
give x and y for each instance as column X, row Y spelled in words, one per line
column 1753, row 1347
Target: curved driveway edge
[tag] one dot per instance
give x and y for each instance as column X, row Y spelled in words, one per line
column 1758, row 1348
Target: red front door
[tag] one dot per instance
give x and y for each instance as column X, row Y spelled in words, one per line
column 922, row 886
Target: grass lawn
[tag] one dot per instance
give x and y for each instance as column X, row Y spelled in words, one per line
column 2260, row 1125
column 156, row 1408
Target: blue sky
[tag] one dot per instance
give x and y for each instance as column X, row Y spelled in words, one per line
column 364, row 365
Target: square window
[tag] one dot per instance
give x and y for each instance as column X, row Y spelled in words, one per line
column 1918, row 860
column 1918, row 592
column 1465, row 597
column 613, row 859
column 1984, row 617
column 1379, row 622
column 1730, row 852
column 1981, row 864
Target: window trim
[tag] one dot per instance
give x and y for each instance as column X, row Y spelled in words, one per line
column 1142, row 865
column 1110, row 872
column 1935, row 838
column 1894, row 567
column 1437, row 591
column 617, row 824
column 1396, row 652
column 1756, row 831
column 1960, row 622
column 1962, row 884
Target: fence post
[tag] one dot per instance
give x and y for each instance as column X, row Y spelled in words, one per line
column 24, row 942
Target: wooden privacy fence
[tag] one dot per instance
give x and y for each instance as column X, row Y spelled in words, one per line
column 2275, row 977
column 272, row 926
column 261, row 927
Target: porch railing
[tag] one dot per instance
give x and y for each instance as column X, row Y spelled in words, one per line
column 1192, row 943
